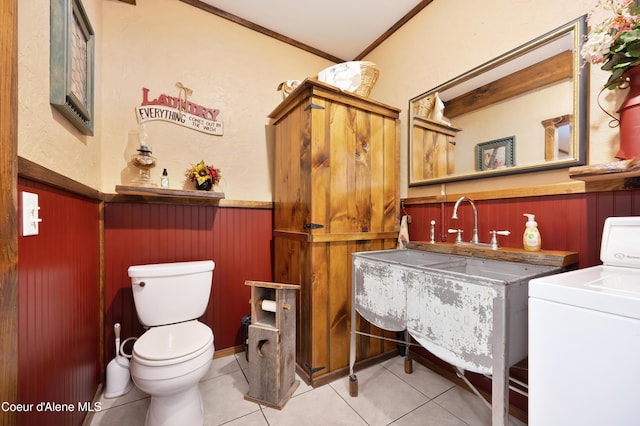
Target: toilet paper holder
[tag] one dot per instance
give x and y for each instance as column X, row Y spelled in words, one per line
column 271, row 305
column 271, row 344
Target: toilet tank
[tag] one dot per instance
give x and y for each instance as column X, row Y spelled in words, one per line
column 167, row 293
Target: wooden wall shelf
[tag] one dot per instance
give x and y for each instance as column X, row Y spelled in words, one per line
column 623, row 174
column 157, row 194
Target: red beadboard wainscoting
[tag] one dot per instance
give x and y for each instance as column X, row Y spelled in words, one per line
column 60, row 354
column 238, row 240
column 570, row 222
column 59, row 307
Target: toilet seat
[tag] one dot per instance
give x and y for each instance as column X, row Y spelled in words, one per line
column 172, row 344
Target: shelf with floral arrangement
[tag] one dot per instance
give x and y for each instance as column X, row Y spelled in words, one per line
column 204, row 177
column 166, row 192
column 158, row 194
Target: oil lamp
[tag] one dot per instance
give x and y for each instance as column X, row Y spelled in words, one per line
column 143, row 160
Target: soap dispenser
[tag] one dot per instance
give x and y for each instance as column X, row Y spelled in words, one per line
column 531, row 239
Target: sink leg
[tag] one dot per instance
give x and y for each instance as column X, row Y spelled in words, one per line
column 353, row 380
column 500, row 374
column 408, row 364
column 353, row 386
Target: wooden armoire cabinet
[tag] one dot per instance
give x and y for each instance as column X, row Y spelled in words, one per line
column 336, row 192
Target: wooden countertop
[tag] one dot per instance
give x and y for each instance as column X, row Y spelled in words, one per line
column 562, row 259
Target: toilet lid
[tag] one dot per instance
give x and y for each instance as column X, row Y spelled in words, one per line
column 173, row 341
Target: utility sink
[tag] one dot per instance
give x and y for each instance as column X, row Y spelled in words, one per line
column 462, row 309
column 465, row 304
column 471, row 312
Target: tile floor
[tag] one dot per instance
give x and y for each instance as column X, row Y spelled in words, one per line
column 386, row 396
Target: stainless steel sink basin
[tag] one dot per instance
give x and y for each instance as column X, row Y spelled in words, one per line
column 497, row 270
column 408, row 257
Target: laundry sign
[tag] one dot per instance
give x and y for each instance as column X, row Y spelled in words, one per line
column 179, row 110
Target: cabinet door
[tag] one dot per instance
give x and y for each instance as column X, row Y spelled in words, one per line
column 354, row 169
column 292, row 193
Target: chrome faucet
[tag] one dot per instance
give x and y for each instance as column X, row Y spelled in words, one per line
column 474, row 238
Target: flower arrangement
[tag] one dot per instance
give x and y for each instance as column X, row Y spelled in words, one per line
column 614, row 42
column 201, row 173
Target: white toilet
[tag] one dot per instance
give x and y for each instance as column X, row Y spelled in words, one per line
column 171, row 357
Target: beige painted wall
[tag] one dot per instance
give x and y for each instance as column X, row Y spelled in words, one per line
column 44, row 135
column 156, row 44
column 160, row 42
column 450, row 37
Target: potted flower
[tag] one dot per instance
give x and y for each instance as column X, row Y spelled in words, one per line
column 615, row 43
column 204, row 176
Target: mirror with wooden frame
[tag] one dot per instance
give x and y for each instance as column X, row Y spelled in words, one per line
column 523, row 111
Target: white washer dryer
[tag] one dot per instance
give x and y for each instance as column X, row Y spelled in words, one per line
column 584, row 337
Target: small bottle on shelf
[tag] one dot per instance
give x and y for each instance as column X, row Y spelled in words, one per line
column 164, row 180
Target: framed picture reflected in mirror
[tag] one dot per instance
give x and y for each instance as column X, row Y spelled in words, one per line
column 496, row 154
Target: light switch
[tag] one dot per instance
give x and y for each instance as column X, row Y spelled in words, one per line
column 30, row 214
